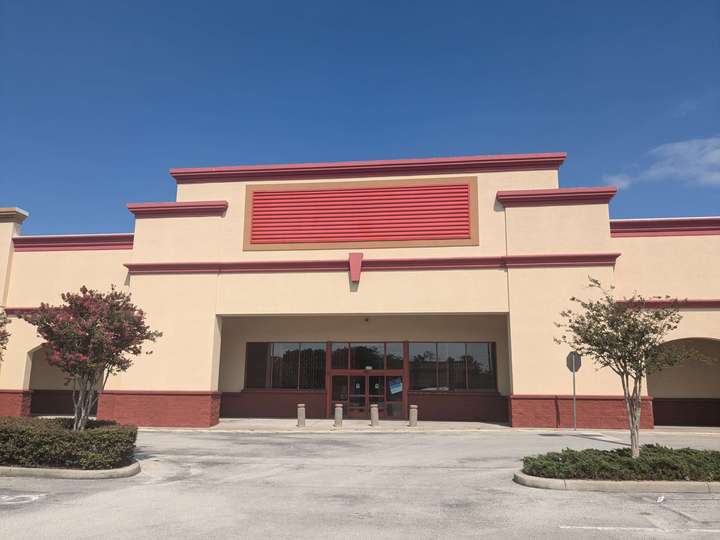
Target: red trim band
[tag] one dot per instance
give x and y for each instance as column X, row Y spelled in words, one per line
column 628, row 228
column 507, row 162
column 162, row 392
column 687, row 303
column 178, row 209
column 19, row 311
column 506, row 261
column 71, row 242
column 550, row 197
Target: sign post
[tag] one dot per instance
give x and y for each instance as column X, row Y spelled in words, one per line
column 573, row 364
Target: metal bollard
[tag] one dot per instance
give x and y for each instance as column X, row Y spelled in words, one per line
column 338, row 415
column 413, row 415
column 301, row 415
column 374, row 415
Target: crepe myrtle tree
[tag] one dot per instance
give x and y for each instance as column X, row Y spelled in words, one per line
column 92, row 336
column 626, row 336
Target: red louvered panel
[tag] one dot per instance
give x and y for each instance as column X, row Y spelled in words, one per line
column 357, row 214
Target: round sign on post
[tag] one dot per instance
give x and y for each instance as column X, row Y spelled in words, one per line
column 574, row 361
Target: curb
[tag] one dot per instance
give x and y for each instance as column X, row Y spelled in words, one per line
column 622, row 486
column 71, row 474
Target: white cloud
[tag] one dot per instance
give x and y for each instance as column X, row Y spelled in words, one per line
column 695, row 161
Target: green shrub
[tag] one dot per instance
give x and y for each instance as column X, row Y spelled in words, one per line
column 48, row 442
column 655, row 463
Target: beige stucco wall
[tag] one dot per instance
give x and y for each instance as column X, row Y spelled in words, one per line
column 16, row 364
column 537, row 296
column 186, row 357
column 697, row 378
column 43, row 276
column 237, row 331
column 438, row 291
column 679, row 266
column 8, row 229
column 220, row 238
column 558, row 229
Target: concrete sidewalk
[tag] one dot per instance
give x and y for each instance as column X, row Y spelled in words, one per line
column 324, row 425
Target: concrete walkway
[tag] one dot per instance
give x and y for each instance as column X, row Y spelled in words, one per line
column 324, row 425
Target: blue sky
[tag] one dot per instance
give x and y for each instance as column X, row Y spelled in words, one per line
column 99, row 99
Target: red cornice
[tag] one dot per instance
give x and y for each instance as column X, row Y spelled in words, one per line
column 19, row 311
column 368, row 265
column 73, row 242
column 579, row 259
column 686, row 303
column 550, row 197
column 340, row 169
column 703, row 226
column 178, row 209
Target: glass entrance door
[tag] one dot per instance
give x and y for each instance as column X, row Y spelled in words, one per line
column 358, row 392
column 361, row 374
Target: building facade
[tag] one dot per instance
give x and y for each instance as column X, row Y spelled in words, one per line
column 435, row 282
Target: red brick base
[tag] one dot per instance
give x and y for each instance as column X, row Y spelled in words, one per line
column 15, row 402
column 603, row 412
column 460, row 406
column 160, row 409
column 275, row 403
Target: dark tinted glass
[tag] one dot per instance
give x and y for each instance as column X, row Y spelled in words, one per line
column 451, row 366
column 312, row 365
column 364, row 355
column 394, row 355
column 481, row 366
column 256, row 361
column 284, row 360
column 340, row 355
column 339, row 388
column 423, row 366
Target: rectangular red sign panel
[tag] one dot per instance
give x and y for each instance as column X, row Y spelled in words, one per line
column 390, row 213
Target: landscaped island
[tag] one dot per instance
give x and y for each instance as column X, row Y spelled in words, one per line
column 654, row 463
column 52, row 443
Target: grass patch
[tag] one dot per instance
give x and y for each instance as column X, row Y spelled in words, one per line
column 50, row 442
column 655, row 463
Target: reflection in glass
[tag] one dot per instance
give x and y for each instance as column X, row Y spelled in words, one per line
column 451, row 366
column 340, row 355
column 284, row 360
column 367, row 355
column 480, row 366
column 423, row 366
column 256, row 360
column 339, row 388
column 312, row 365
column 394, row 355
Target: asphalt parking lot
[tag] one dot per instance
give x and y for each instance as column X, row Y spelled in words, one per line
column 209, row 485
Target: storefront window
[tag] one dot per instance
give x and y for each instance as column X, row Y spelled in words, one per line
column 423, row 366
column 340, row 355
column 285, row 365
column 452, row 366
column 394, row 355
column 367, row 355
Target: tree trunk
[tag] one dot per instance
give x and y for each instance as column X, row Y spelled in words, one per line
column 633, row 406
column 85, row 396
